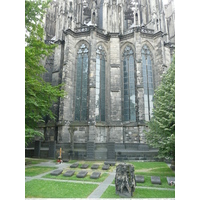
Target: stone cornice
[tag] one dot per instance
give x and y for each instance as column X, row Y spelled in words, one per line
column 169, row 45
column 127, row 36
column 59, row 41
column 115, row 65
column 76, row 34
column 85, row 31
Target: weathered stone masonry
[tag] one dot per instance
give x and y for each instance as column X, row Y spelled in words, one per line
column 114, row 25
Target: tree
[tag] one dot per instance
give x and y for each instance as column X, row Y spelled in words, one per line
column 161, row 132
column 39, row 95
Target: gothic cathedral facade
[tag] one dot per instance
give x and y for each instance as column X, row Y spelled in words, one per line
column 110, row 56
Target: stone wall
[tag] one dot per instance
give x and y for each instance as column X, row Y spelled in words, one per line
column 61, row 67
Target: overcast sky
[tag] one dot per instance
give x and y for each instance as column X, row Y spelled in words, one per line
column 165, row 2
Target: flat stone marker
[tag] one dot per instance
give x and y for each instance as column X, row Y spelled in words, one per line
column 69, row 173
column 95, row 175
column 169, row 179
column 111, row 163
column 56, row 172
column 81, row 174
column 155, row 180
column 75, row 165
column 106, row 167
column 95, row 166
column 139, row 179
column 84, row 166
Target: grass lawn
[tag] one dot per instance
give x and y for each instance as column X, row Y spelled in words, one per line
column 55, row 189
column 152, row 169
column 102, row 177
column 33, row 161
column 140, row 193
column 36, row 170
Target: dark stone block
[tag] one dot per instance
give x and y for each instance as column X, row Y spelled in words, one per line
column 69, row 173
column 95, row 175
column 81, row 174
column 170, row 179
column 143, row 147
column 139, row 179
column 65, row 160
column 95, row 166
column 106, row 167
column 155, row 180
column 84, row 166
column 75, row 165
column 37, row 149
column 56, row 172
column 111, row 163
column 52, row 149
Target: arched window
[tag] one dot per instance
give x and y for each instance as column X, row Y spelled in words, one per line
column 147, row 82
column 129, row 110
column 100, row 84
column 81, row 107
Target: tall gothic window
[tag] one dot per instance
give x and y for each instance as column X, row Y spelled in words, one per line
column 148, row 82
column 100, row 84
column 81, row 108
column 129, row 111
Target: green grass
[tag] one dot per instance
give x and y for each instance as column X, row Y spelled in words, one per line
column 102, row 177
column 36, row 170
column 152, row 169
column 33, row 161
column 140, row 193
column 55, row 189
column 72, row 161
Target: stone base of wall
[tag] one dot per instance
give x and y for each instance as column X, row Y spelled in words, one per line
column 122, row 151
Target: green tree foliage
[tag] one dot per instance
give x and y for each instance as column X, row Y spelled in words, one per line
column 161, row 132
column 39, row 95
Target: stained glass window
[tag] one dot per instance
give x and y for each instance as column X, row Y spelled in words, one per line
column 100, row 84
column 81, row 107
column 129, row 111
column 147, row 82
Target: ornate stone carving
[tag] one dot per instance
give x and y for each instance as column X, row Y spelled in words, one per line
column 125, row 180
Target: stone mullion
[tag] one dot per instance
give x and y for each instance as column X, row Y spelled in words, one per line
column 139, row 83
column 92, row 87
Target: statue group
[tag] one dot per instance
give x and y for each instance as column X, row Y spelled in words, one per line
column 125, row 180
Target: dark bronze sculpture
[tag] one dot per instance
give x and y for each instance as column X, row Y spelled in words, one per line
column 125, row 180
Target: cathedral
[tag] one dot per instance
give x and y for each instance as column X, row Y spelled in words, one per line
column 110, row 56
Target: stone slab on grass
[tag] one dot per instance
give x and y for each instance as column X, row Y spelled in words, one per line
column 139, row 179
column 170, row 179
column 106, row 167
column 155, row 180
column 69, row 173
column 84, row 166
column 81, row 174
column 95, row 166
column 56, row 172
column 111, row 163
column 95, row 175
column 75, row 165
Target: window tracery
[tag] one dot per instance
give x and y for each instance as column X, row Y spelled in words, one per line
column 147, row 82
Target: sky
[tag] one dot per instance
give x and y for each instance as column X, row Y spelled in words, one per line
column 165, row 2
